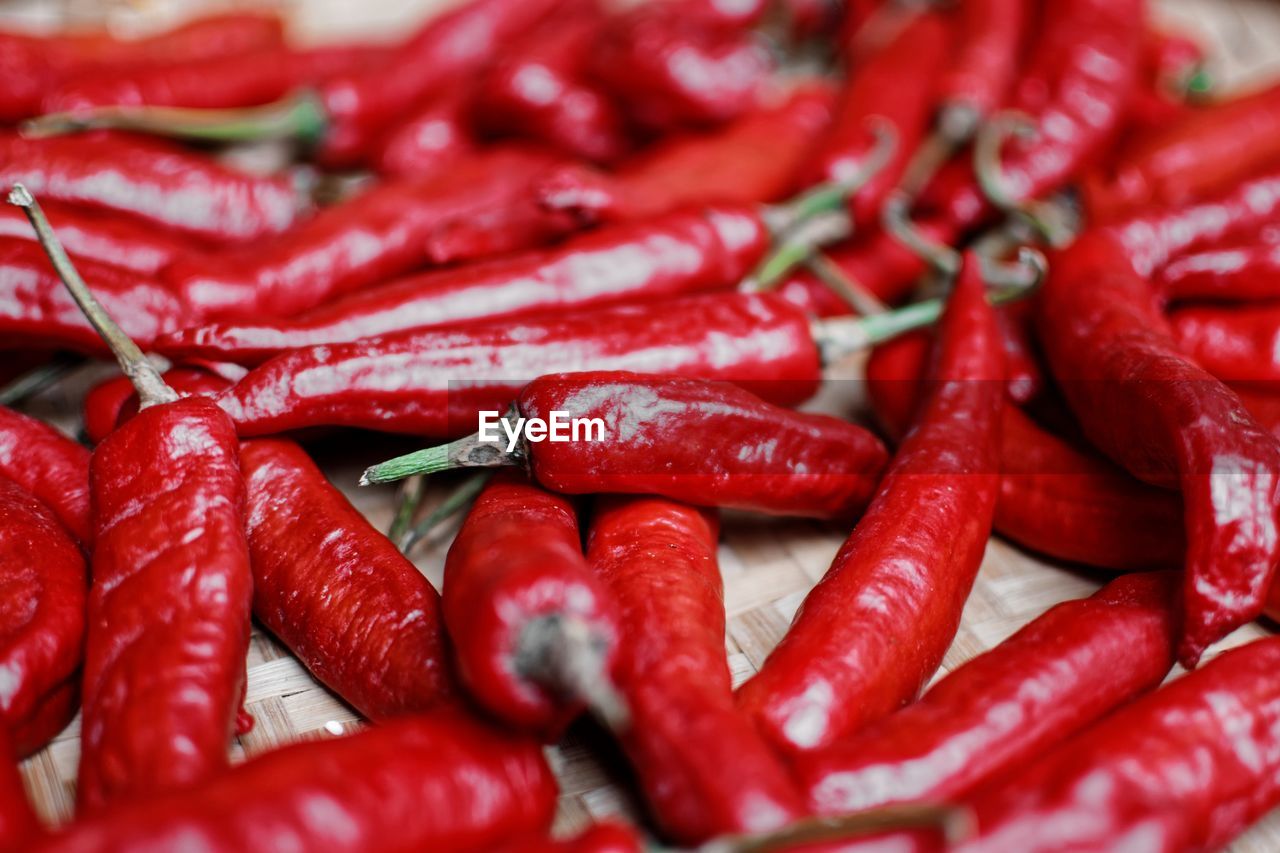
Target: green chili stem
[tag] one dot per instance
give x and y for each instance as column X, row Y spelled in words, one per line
column 452, row 505
column 409, row 499
column 797, row 248
column 897, row 221
column 141, row 372
column 466, row 452
column 37, row 379
column 853, row 292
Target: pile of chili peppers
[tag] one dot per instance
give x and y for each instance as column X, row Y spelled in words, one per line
column 614, row 251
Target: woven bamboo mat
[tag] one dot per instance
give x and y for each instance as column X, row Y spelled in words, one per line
column 768, row 566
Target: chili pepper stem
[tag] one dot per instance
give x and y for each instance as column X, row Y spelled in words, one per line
column 955, row 823
column 299, row 117
column 451, row 506
column 565, row 654
column 409, row 499
column 853, row 292
column 897, row 221
column 797, row 248
column 1046, row 217
column 37, row 379
column 141, row 372
column 466, row 452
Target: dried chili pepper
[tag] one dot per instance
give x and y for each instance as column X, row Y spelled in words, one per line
column 658, row 559
column 50, row 466
column 381, row 233
column 1070, row 666
column 152, row 180
column 1170, row 423
column 107, row 238
column 428, row 141
column 874, row 629
column 160, row 697
column 436, row 781
column 680, row 253
column 534, row 633
column 35, row 310
column 42, row 623
column 1246, row 269
column 748, row 454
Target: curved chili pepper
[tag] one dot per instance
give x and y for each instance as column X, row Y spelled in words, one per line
column 50, row 466
column 109, row 403
column 433, row 782
column 1242, row 270
column 34, row 308
column 358, row 614
column 1084, row 69
column 679, row 253
column 434, row 382
column 753, row 159
column 42, row 625
column 1070, row 666
column 107, row 238
column 381, row 233
column 1188, row 767
column 658, row 558
column 152, row 180
column 19, row 826
column 428, row 141
column 669, row 70
column 1236, row 344
column 538, row 90
column 874, row 629
column 1170, row 423
column 534, row 633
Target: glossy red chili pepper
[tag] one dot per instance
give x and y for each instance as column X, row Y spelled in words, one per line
column 50, row 466
column 671, row 70
column 1236, row 344
column 530, row 625
column 36, row 311
column 1171, row 62
column 1188, row 767
column 32, row 66
column 1170, row 423
column 989, row 40
column 680, row 253
column 438, row 781
column 852, row 654
column 539, row 91
column 658, row 558
column 894, row 88
column 1000, row 711
column 109, row 403
column 1084, row 69
column 753, row 159
column 381, row 233
column 107, row 238
column 606, row 837
column 435, row 382
column 428, row 141
column 42, row 619
column 152, row 180
column 1241, row 270
column 19, row 826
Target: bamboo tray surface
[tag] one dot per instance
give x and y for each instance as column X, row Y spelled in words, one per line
column 768, row 566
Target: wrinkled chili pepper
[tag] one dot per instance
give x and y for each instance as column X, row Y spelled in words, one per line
column 680, row 253
column 36, row 310
column 436, row 781
column 104, row 237
column 1237, row 344
column 533, row 631
column 108, row 403
column 1241, row 270
column 1067, row 668
column 658, row 558
column 1170, row 423
column 752, row 159
column 875, row 628
column 160, row 696
column 42, row 621
column 152, row 180
column 671, row 70
column 381, row 233
column 748, row 454
column 50, row 466
column 428, row 141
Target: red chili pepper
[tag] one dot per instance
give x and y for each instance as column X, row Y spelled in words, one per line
column 658, row 558
column 48, row 465
column 682, row 252
column 875, row 628
column 1245, row 269
column 671, row 70
column 434, row 382
column 1171, row 63
column 19, row 826
column 107, row 238
column 381, row 233
column 538, row 90
column 606, row 837
column 428, row 141
column 35, row 310
column 534, row 633
column 1236, row 344
column 433, row 782
column 1070, row 666
column 1084, row 68
column 110, row 403
column 894, row 88
column 1188, row 767
column 42, row 628
column 1170, row 423
column 753, row 159
column 986, row 63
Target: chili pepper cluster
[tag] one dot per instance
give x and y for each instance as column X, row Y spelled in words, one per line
column 1056, row 249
